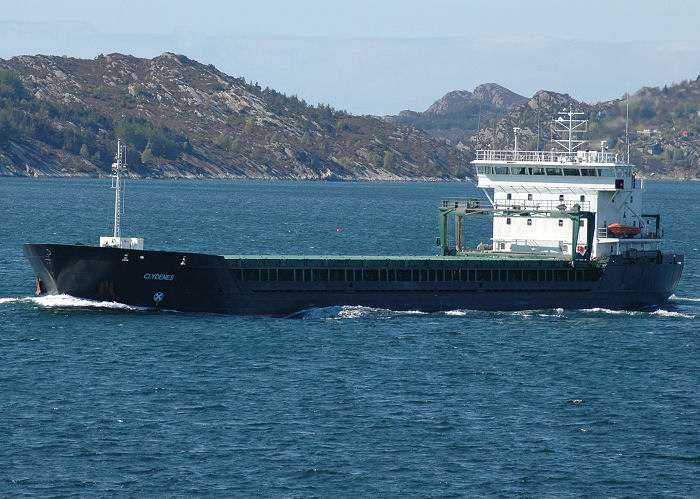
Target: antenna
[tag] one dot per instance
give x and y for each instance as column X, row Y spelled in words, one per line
column 478, row 126
column 627, row 124
column 118, row 167
column 538, row 122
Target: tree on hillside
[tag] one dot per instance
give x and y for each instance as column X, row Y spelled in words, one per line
column 147, row 154
column 389, row 160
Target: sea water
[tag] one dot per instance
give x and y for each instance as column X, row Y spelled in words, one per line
column 104, row 399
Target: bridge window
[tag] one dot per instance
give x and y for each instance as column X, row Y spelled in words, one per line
column 553, row 171
column 572, row 172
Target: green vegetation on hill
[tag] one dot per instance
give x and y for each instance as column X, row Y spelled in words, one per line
column 182, row 118
column 22, row 115
column 160, row 140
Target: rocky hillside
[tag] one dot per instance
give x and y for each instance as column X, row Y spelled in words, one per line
column 664, row 124
column 61, row 116
column 664, row 128
column 460, row 113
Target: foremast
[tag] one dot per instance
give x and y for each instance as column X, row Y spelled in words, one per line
column 119, row 168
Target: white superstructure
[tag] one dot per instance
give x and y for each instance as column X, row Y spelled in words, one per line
column 531, row 187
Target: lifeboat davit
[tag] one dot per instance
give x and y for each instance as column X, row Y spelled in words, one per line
column 624, row 230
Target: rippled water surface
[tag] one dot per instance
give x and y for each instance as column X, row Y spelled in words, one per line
column 102, row 399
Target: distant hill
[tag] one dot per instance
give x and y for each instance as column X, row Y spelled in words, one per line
column 61, row 116
column 459, row 113
column 664, row 128
column 664, row 124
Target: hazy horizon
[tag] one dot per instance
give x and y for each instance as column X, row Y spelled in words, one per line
column 381, row 57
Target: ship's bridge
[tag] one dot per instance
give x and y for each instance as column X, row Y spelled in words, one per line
column 595, row 170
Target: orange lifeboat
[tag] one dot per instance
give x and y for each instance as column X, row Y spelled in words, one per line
column 624, row 230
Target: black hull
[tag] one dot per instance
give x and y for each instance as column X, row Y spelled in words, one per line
column 207, row 283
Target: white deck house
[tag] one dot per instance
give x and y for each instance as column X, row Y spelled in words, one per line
column 532, row 186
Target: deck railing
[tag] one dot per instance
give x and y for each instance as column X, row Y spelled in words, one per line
column 517, row 204
column 546, row 156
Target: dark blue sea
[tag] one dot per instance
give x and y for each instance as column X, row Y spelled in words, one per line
column 105, row 400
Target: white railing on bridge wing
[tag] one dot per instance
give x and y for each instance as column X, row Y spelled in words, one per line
column 540, row 205
column 546, row 156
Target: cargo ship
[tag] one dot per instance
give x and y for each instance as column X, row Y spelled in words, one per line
column 568, row 231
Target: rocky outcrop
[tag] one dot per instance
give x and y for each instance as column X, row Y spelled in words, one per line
column 460, row 113
column 181, row 118
column 490, row 95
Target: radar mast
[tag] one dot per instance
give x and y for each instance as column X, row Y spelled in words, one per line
column 568, row 130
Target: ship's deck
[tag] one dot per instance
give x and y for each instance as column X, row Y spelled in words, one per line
column 465, row 267
column 460, row 257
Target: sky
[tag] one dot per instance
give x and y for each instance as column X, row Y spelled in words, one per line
column 379, row 57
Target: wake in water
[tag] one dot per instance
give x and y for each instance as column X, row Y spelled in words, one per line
column 352, row 312
column 640, row 313
column 681, row 308
column 360, row 312
column 67, row 301
column 679, row 299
